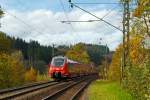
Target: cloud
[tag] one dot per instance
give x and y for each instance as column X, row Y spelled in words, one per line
column 45, row 27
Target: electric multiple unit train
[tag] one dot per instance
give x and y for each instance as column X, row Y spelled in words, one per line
column 62, row 67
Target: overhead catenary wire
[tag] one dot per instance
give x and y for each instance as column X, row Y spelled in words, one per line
column 72, row 4
column 73, row 29
column 95, row 3
column 100, row 3
column 92, row 20
column 79, row 21
column 20, row 20
column 109, row 12
column 45, row 25
column 62, row 5
column 67, row 18
column 29, row 26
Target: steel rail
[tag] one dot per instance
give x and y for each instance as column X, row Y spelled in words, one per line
column 31, row 89
column 23, row 87
column 58, row 93
column 74, row 97
column 61, row 90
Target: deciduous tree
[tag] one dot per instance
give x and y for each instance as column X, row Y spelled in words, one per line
column 78, row 53
column 11, row 70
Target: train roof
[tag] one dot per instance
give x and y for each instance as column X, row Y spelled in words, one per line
column 71, row 61
column 68, row 60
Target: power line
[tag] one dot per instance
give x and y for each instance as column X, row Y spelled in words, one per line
column 72, row 4
column 113, row 3
column 68, row 20
column 65, row 13
column 79, row 21
column 29, row 26
column 45, row 25
column 90, row 20
column 108, row 12
column 102, row 3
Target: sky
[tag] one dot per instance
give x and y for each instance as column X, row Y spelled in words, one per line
column 40, row 20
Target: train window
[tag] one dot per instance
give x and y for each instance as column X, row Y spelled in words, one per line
column 58, row 62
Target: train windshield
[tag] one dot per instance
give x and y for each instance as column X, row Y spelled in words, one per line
column 58, row 62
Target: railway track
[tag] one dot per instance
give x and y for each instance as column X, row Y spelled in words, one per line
column 15, row 92
column 52, row 90
column 71, row 91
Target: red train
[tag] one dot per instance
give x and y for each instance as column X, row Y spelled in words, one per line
column 62, row 67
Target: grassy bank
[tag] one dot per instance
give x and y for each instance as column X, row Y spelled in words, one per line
column 104, row 90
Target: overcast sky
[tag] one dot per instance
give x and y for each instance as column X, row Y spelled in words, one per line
column 40, row 20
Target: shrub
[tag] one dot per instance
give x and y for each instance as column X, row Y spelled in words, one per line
column 30, row 75
column 11, row 70
column 138, row 81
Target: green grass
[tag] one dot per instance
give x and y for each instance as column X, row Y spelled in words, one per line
column 43, row 78
column 104, row 90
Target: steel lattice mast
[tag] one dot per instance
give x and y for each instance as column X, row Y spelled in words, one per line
column 126, row 37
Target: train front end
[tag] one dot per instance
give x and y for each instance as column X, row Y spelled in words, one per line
column 58, row 67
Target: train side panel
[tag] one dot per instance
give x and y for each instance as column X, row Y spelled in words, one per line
column 79, row 69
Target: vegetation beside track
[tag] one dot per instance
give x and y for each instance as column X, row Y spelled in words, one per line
column 43, row 77
column 106, row 90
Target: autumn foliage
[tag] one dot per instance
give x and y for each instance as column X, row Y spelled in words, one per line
column 30, row 75
column 115, row 66
column 11, row 70
column 78, row 53
column 137, row 70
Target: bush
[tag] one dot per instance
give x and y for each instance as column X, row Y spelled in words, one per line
column 11, row 70
column 43, row 77
column 30, row 75
column 138, row 81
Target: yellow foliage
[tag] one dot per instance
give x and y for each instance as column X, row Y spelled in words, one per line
column 137, row 56
column 30, row 75
column 11, row 71
column 78, row 53
column 18, row 68
column 43, row 77
column 143, row 5
column 138, row 11
column 114, row 69
column 136, row 50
